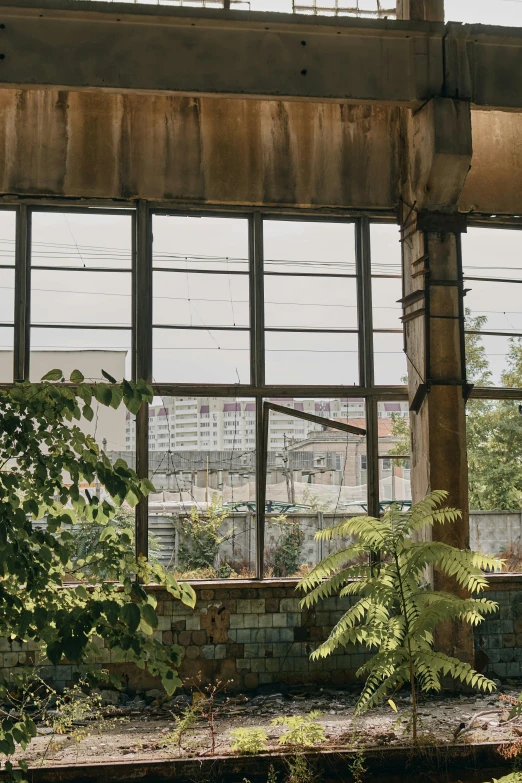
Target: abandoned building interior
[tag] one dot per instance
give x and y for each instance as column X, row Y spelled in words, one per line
column 299, row 224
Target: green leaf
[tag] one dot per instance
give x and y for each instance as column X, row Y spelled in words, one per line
column 171, row 681
column 88, row 412
column 53, row 375
column 73, row 647
column 147, row 486
column 16, row 394
column 84, row 392
column 117, row 396
column 149, row 615
column 133, row 404
column 55, row 652
column 103, row 393
column 131, row 616
column 132, row 498
column 31, row 507
column 108, row 377
column 76, row 377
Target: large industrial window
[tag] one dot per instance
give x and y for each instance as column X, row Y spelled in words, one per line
column 274, row 347
column 493, row 335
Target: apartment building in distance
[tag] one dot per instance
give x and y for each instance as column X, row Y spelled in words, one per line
column 228, row 424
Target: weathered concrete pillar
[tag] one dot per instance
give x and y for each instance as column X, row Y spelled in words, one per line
column 437, row 162
column 421, row 10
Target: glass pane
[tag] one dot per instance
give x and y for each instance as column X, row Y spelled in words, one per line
column 385, row 249
column 6, row 354
column 394, row 451
column 7, row 237
column 310, row 303
column 394, row 482
column 493, row 360
column 64, row 297
column 200, row 243
column 387, row 311
column 493, row 307
column 316, row 477
column 389, row 359
column 86, row 240
column 492, row 252
column 7, row 281
column 202, row 463
column 320, row 248
column 197, row 299
column 200, row 356
column 87, row 350
column 293, row 357
column 494, row 446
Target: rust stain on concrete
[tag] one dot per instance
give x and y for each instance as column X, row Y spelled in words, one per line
column 205, row 150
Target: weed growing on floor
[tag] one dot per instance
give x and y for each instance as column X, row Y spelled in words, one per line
column 249, row 741
column 184, row 723
column 302, row 730
column 207, row 701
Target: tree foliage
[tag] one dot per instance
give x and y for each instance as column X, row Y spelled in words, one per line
column 45, row 458
column 393, row 613
column 201, row 536
column 494, row 428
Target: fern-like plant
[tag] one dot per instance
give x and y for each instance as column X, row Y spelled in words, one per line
column 302, row 730
column 394, row 614
column 249, row 741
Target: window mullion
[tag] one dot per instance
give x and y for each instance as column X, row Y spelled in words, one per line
column 142, row 313
column 22, row 323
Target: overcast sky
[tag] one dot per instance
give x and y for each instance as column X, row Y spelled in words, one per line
column 500, row 12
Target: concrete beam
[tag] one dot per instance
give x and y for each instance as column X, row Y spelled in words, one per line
column 482, row 65
column 73, row 44
column 77, row 44
column 494, row 183
column 440, row 152
column 198, row 150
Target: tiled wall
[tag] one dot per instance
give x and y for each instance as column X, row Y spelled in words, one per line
column 257, row 634
column 498, row 641
column 252, row 635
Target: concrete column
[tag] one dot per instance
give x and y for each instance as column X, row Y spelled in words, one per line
column 421, row 10
column 438, row 160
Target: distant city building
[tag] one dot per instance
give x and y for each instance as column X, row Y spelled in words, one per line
column 228, row 424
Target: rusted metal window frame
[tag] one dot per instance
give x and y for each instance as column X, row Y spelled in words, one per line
column 142, row 212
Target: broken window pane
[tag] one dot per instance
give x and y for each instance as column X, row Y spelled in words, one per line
column 316, row 476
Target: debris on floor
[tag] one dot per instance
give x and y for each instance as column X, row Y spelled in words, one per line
column 144, row 726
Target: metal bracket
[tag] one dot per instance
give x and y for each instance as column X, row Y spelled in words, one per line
column 442, row 222
column 419, row 397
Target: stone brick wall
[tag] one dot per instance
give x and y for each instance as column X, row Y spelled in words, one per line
column 498, row 641
column 256, row 634
column 253, row 635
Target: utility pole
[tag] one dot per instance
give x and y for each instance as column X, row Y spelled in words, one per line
column 289, row 474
